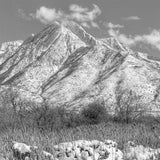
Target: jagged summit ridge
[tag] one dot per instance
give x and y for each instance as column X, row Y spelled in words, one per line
column 63, row 64
column 81, row 33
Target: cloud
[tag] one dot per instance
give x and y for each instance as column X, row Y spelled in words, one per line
column 77, row 8
column 23, row 15
column 87, row 16
column 128, row 40
column 132, row 18
column 153, row 38
column 47, row 15
column 84, row 16
column 114, row 26
column 114, row 33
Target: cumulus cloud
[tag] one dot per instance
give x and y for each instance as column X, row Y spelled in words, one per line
column 47, row 15
column 132, row 18
column 84, row 16
column 153, row 38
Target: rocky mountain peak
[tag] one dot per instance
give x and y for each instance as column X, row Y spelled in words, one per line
column 65, row 65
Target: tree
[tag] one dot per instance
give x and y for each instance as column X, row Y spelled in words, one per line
column 128, row 105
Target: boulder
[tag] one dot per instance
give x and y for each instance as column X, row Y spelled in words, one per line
column 139, row 152
column 21, row 151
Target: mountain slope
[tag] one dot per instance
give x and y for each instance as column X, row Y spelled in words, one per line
column 64, row 65
column 8, row 48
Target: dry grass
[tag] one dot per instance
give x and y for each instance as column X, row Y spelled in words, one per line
column 53, row 127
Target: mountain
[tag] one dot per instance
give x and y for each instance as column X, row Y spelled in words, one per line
column 66, row 66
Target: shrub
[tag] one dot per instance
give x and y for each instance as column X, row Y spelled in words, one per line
column 128, row 106
column 55, row 118
column 94, row 113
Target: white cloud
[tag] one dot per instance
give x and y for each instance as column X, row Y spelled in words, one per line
column 111, row 25
column 132, row 18
column 84, row 16
column 153, row 38
column 94, row 24
column 113, row 32
column 127, row 40
column 23, row 15
column 77, row 8
column 47, row 15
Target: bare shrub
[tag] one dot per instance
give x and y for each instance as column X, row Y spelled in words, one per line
column 51, row 117
column 128, row 106
column 23, row 115
column 46, row 117
column 8, row 107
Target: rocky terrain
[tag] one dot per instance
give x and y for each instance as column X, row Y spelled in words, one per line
column 86, row 150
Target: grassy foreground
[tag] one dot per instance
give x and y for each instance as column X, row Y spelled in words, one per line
column 46, row 129
column 140, row 133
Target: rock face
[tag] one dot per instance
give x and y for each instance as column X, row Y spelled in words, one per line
column 64, row 65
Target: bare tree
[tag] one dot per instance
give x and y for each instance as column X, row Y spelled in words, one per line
column 128, row 104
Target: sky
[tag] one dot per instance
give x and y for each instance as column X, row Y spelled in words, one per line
column 133, row 22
